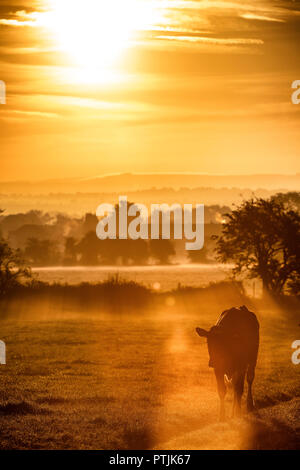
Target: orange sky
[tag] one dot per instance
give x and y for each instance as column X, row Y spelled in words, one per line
column 97, row 87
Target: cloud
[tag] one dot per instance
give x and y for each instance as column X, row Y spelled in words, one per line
column 253, row 16
column 34, row 113
column 216, row 41
column 7, row 22
column 23, row 18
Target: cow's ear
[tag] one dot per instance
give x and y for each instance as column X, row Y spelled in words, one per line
column 201, row 332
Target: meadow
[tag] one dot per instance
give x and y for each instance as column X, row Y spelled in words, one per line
column 81, row 377
column 164, row 277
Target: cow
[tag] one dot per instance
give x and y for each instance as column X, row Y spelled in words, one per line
column 233, row 348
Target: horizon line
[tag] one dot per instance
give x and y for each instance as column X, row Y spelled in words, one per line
column 107, row 175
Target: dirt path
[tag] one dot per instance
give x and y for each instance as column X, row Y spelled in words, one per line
column 276, row 427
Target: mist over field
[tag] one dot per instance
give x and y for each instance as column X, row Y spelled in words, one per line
column 78, row 196
column 119, row 367
column 184, row 337
column 101, row 344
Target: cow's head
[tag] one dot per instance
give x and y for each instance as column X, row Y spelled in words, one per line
column 215, row 344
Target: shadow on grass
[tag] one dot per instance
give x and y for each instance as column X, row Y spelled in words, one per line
column 267, row 401
column 115, row 296
column 137, row 436
column 21, row 408
column 273, row 435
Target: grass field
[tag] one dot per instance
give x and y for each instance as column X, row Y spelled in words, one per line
column 78, row 379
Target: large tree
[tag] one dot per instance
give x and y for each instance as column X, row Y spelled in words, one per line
column 161, row 250
column 13, row 270
column 41, row 252
column 70, row 251
column 262, row 239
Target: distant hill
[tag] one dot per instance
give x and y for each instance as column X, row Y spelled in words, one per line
column 136, row 182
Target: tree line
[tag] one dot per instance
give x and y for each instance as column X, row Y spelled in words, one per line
column 261, row 238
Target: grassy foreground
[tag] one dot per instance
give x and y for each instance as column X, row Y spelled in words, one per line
column 81, row 379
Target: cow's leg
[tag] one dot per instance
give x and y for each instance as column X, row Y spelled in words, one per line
column 250, row 378
column 238, row 388
column 221, row 391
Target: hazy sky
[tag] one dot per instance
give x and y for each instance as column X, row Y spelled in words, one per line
column 97, row 87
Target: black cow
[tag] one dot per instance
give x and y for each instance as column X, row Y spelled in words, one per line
column 233, row 347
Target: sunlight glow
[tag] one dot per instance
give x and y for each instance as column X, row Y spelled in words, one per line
column 96, row 32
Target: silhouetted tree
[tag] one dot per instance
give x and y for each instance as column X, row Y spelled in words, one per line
column 13, row 222
column 123, row 251
column 291, row 200
column 199, row 256
column 109, row 251
column 161, row 250
column 13, row 270
column 89, row 224
column 133, row 251
column 89, row 248
column 93, row 251
column 41, row 252
column 126, row 252
column 71, row 251
column 262, row 238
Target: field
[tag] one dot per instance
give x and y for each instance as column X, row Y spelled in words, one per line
column 161, row 278
column 164, row 277
column 83, row 378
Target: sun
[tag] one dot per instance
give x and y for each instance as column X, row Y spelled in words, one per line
column 94, row 33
